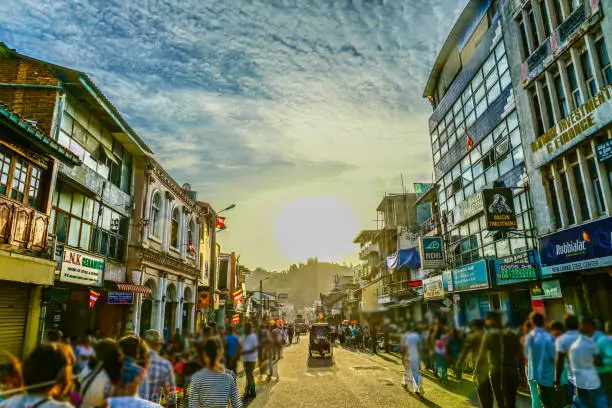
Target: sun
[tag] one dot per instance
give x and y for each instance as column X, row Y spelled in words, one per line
column 322, row 227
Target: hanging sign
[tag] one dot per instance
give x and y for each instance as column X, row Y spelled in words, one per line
column 432, row 250
column 499, row 209
column 235, row 319
column 547, row 290
column 604, row 151
column 433, row 287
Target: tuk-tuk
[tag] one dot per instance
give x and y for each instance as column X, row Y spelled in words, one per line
column 319, row 340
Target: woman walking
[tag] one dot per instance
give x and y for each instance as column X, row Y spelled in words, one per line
column 213, row 386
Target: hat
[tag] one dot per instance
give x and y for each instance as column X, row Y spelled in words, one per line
column 152, row 336
column 130, row 372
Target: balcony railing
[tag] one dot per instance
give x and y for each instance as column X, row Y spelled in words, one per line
column 22, row 226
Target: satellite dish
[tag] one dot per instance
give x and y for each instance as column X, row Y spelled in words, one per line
column 187, row 187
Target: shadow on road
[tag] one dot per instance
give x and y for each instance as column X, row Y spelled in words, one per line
column 320, row 362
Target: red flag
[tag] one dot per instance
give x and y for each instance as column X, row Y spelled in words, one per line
column 236, row 319
column 221, row 223
column 191, row 248
column 469, row 144
column 93, row 298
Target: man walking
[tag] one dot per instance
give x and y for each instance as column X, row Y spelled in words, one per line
column 250, row 346
column 232, row 350
column 562, row 346
column 160, row 375
column 412, row 360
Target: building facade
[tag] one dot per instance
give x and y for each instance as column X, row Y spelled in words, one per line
column 562, row 79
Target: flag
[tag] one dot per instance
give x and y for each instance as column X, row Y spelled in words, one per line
column 191, row 248
column 93, row 298
column 221, row 223
column 237, row 295
column 236, row 319
column 469, row 143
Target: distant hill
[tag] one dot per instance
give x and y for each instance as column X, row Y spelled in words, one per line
column 302, row 282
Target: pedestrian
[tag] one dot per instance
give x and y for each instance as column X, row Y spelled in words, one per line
column 481, row 373
column 126, row 392
column 11, row 377
column 500, row 352
column 47, row 377
column 277, row 338
column 540, row 354
column 263, row 348
column 249, row 347
column 290, row 333
column 454, row 347
column 532, row 384
column 213, row 386
column 232, row 350
column 160, row 375
column 604, row 344
column 411, row 343
column 101, row 375
column 562, row 346
column 583, row 358
column 55, row 336
column 137, row 350
column 439, row 348
column 83, row 351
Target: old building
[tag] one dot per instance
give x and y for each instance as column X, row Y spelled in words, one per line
column 28, row 169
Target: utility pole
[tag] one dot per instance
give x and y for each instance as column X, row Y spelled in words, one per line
column 260, row 300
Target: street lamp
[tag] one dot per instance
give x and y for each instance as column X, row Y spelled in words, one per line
column 230, row 207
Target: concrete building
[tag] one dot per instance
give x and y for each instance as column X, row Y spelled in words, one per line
column 562, row 76
column 477, row 144
column 28, row 169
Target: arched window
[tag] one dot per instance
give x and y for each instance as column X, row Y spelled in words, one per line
column 174, row 230
column 191, row 237
column 155, row 217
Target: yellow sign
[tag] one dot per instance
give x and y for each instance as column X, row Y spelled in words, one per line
column 577, row 126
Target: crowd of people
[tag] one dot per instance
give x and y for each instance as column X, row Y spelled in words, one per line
column 147, row 371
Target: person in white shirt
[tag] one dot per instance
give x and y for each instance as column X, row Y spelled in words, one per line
column 583, row 357
column 100, row 375
column 562, row 346
column 410, row 344
column 83, row 352
column 250, row 345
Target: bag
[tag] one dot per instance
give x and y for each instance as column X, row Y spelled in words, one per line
column 76, row 397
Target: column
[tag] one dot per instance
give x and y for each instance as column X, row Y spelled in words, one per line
column 178, row 313
column 604, row 181
column 147, row 209
column 565, row 10
column 539, row 20
column 571, row 183
column 550, row 6
column 594, row 61
column 579, row 74
column 183, row 233
column 550, row 84
column 192, row 308
column 138, row 299
column 162, row 305
column 588, row 186
column 543, row 109
column 168, row 221
column 566, row 86
column 559, row 195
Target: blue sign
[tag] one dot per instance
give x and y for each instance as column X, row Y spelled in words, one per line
column 120, row 298
column 604, row 151
column 586, row 246
column 471, row 277
column 516, row 268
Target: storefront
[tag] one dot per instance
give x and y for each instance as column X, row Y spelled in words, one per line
column 581, row 258
column 472, row 295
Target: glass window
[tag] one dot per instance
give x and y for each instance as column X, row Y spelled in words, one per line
column 505, row 80
column 479, row 94
column 492, row 174
column 481, row 108
column 518, row 155
column 5, row 166
column 534, row 31
column 88, row 209
column 567, row 198
column 477, row 80
column 515, row 138
column 73, row 235
column 475, row 154
column 505, row 165
column 580, row 187
column 156, row 215
column 470, row 119
column 34, row 188
column 20, row 174
column 594, row 177
column 174, row 228
column 525, row 46
column 456, row 171
column 61, row 227
column 479, row 183
column 487, row 143
column 561, row 100
column 77, row 204
column 468, row 190
column 571, row 74
column 477, row 169
column 489, row 64
column 500, row 51
column 604, row 60
column 493, row 93
column 555, row 203
column 467, row 176
column 85, row 236
column 502, row 248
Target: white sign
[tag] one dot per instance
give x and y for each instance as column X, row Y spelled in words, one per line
column 406, row 239
column 81, row 268
column 468, row 208
column 576, row 127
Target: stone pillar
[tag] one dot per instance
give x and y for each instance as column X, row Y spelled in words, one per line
column 147, row 209
column 552, row 88
column 584, row 92
column 560, row 199
column 543, row 109
column 162, row 308
column 588, row 186
column 571, row 183
column 528, row 32
column 566, row 86
column 594, row 61
column 178, row 313
column 603, row 181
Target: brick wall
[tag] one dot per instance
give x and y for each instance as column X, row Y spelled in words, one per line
column 31, row 103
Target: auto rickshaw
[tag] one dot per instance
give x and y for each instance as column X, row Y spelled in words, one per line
column 319, row 340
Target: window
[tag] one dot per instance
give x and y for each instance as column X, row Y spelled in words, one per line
column 524, row 44
column 589, row 78
column 5, row 168
column 561, row 100
column 557, row 11
column 174, row 228
column 584, row 208
column 549, row 108
column 556, row 213
column 191, row 238
column 568, row 199
column 534, row 30
column 594, row 176
column 156, row 220
column 571, row 74
column 604, row 60
column 20, row 174
column 22, row 182
column 545, row 19
column 537, row 113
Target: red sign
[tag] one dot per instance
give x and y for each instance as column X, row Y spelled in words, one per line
column 415, row 284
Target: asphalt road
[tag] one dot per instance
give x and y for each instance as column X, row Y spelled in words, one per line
column 352, row 379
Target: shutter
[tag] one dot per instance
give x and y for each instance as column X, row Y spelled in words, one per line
column 14, row 302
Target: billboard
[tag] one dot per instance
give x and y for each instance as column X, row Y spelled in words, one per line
column 499, row 209
column 433, row 288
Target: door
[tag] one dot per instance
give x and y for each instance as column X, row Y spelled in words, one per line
column 14, row 303
column 145, row 315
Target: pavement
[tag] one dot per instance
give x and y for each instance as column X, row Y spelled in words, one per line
column 353, row 379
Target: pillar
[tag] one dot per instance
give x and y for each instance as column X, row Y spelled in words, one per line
column 560, row 199
column 584, row 92
column 147, row 209
column 178, row 312
column 550, row 84
column 603, row 181
column 192, row 309
column 594, row 61
column 588, row 186
column 573, row 192
column 162, row 305
column 566, row 86
column 529, row 33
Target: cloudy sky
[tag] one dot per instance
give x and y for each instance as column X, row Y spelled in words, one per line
column 302, row 112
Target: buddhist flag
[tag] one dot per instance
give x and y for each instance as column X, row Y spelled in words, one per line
column 191, row 248
column 236, row 319
column 93, row 298
column 469, row 143
column 221, row 223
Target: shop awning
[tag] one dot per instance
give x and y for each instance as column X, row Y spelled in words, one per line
column 404, row 258
column 129, row 287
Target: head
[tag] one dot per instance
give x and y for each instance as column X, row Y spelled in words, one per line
column 108, row 354
column 212, row 354
column 557, row 328
column 587, row 326
column 477, row 324
column 131, row 378
column 135, row 348
column 87, row 340
column 48, row 370
column 537, row 319
column 55, row 336
column 571, row 322
column 154, row 339
column 11, row 377
column 608, row 327
column 493, row 320
column 230, row 330
column 207, row 332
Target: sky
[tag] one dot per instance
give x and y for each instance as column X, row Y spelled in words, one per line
column 303, row 113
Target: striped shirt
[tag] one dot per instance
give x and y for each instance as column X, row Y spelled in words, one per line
column 211, row 389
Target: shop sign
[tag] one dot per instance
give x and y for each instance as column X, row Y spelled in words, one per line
column 432, row 250
column 547, row 290
column 604, row 151
column 447, row 279
column 81, row 268
column 573, row 129
column 382, row 300
column 433, row 287
column 468, row 208
column 421, row 188
column 586, row 246
column 120, row 298
column 472, row 276
column 499, row 209
column 203, row 299
column 517, row 268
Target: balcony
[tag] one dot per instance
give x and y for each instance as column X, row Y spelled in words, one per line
column 368, row 251
column 22, row 226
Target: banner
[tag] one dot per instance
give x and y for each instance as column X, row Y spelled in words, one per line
column 432, row 252
column 93, row 298
column 604, row 151
column 517, row 267
column 499, row 209
column 468, row 208
column 433, row 287
column 235, row 319
column 470, row 277
column 81, row 268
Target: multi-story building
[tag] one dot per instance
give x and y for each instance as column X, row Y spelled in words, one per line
column 92, row 203
column 562, row 75
column 28, row 169
column 476, row 144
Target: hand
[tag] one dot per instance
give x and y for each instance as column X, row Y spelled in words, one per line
column 556, row 385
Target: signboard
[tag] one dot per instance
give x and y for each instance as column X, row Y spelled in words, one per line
column 81, row 268
column 499, row 209
column 282, row 296
column 433, row 287
column 468, row 208
column 573, row 129
column 604, row 151
column 406, row 239
column 203, row 299
column 586, row 246
column 447, row 278
column 547, row 290
column 120, row 298
column 415, row 284
column 423, row 211
column 432, row 252
column 470, row 277
column 421, row 188
column 517, row 268
column 384, row 299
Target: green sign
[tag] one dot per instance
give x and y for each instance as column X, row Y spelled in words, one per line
column 432, row 252
column 517, row 271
